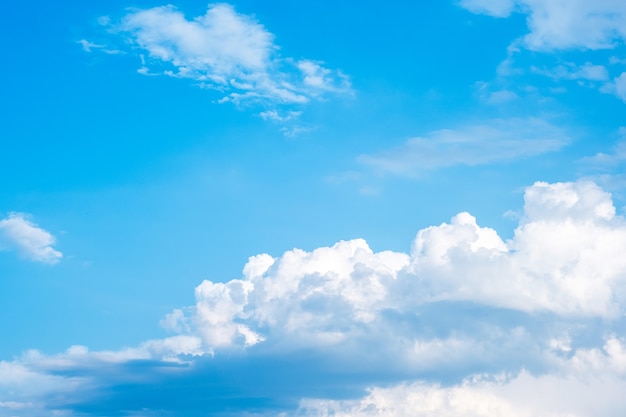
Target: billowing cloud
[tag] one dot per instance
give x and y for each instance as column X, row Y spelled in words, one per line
column 229, row 52
column 564, row 259
column 562, row 24
column 499, row 140
column 28, row 239
column 464, row 324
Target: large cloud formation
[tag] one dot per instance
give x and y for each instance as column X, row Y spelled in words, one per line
column 465, row 324
column 565, row 258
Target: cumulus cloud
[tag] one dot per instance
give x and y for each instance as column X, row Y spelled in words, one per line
column 227, row 51
column 564, row 259
column 499, row 140
column 473, row 324
column 28, row 239
column 562, row 24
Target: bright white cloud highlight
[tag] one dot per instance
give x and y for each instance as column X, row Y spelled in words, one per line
column 565, row 258
column 382, row 317
column 28, row 239
column 499, row 140
column 230, row 52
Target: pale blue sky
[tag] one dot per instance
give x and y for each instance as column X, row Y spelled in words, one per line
column 147, row 147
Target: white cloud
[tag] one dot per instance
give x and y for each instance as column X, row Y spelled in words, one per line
column 565, row 258
column 572, row 71
column 278, row 117
column 30, row 241
column 496, row 8
column 561, row 259
column 562, row 24
column 88, row 46
column 523, row 395
column 487, row 94
column 611, row 160
column 589, row 384
column 500, row 140
column 462, row 303
column 227, row 51
column 620, row 86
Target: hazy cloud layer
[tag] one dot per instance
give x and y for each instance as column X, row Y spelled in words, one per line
column 562, row 24
column 498, row 140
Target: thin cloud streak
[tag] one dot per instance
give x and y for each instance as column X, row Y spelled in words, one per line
column 496, row 141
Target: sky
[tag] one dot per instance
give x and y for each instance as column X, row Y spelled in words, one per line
column 313, row 209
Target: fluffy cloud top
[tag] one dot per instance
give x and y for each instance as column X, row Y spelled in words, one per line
column 502, row 139
column 228, row 51
column 565, row 259
column 562, row 24
column 28, row 239
column 474, row 325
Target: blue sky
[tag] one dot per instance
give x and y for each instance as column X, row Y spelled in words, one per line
column 284, row 208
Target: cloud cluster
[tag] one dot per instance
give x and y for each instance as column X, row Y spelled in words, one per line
column 464, row 324
column 557, row 26
column 28, row 239
column 498, row 140
column 564, row 259
column 226, row 51
column 524, row 395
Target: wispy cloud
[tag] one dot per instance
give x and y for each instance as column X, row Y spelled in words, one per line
column 226, row 51
column 499, row 140
column 572, row 71
column 522, row 395
column 560, row 27
column 562, row 24
column 28, row 239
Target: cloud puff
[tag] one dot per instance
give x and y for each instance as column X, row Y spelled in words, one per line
column 28, row 239
column 499, row 140
column 227, row 51
column 562, row 24
column 474, row 325
column 564, row 259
